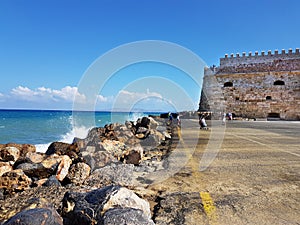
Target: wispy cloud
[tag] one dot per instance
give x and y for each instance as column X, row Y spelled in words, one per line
column 147, row 100
column 128, row 96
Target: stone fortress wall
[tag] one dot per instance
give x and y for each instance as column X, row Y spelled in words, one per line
column 254, row 86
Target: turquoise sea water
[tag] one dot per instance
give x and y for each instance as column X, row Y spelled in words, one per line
column 42, row 127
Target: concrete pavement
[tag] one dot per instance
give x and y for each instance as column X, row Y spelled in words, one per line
column 254, row 178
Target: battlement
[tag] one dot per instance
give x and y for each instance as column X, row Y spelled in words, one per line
column 263, row 57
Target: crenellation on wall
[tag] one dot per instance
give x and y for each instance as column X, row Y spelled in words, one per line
column 258, row 58
column 255, row 86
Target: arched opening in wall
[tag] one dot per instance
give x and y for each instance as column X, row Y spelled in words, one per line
column 268, row 98
column 279, row 82
column 228, row 84
column 273, row 116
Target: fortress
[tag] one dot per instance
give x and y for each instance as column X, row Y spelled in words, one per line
column 254, row 86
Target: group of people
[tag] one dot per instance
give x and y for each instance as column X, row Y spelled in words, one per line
column 174, row 119
column 204, row 115
column 226, row 116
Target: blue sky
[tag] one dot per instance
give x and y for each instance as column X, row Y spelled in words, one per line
column 47, row 46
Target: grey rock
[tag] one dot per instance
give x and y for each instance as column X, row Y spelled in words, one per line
column 97, row 158
column 37, row 216
column 52, row 181
column 125, row 216
column 115, row 173
column 85, row 208
column 1, row 193
column 125, row 198
column 153, row 139
column 142, row 130
column 90, row 208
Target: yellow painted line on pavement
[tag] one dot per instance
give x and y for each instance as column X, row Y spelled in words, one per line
column 208, row 204
column 179, row 134
column 209, row 207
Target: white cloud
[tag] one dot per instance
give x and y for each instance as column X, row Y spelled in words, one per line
column 42, row 94
column 68, row 93
column 48, row 98
column 101, row 98
column 23, row 92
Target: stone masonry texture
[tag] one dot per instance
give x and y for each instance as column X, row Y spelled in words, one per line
column 254, row 86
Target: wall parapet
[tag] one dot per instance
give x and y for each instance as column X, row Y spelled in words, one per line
column 263, row 57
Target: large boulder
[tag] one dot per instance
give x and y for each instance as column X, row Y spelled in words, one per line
column 125, row 198
column 115, row 173
column 43, row 169
column 63, row 167
column 96, row 158
column 35, row 170
column 34, row 157
column 115, row 148
column 37, row 216
column 15, row 180
column 91, row 207
column 92, row 138
column 78, row 173
column 23, row 148
column 5, row 167
column 153, row 124
column 51, row 181
column 37, row 197
column 9, row 154
column 61, row 148
column 126, row 216
column 123, row 133
column 84, row 208
column 153, row 140
column 51, row 162
column 143, row 122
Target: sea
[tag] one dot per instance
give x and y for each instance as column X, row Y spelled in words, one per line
column 42, row 127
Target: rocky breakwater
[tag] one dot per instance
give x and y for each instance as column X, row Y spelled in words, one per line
column 91, row 181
